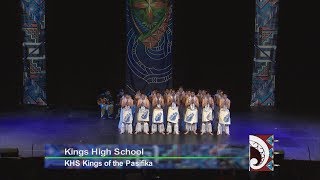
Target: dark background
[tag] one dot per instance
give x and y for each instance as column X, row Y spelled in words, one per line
column 213, row 48
column 85, row 46
column 298, row 57
column 10, row 55
column 86, row 49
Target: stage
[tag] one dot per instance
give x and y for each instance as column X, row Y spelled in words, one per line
column 30, row 129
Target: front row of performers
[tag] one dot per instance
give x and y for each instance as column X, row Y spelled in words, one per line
column 172, row 107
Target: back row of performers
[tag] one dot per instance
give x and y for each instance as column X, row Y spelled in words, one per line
column 179, row 105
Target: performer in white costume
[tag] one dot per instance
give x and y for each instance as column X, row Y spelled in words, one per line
column 216, row 99
column 126, row 115
column 207, row 114
column 173, row 113
column 224, row 115
column 191, row 116
column 157, row 115
column 143, row 106
column 135, row 109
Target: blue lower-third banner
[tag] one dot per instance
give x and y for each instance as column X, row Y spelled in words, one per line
column 206, row 156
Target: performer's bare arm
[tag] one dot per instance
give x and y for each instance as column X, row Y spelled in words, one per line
column 169, row 100
column 187, row 103
column 139, row 103
column 204, row 102
column 220, row 102
column 147, row 105
column 165, row 96
column 162, row 102
column 136, row 98
column 196, row 102
column 228, row 103
column 130, row 102
column 199, row 98
column 183, row 99
column 154, row 102
column 123, row 102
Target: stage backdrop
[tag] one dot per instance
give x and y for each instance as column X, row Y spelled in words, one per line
column 266, row 29
column 149, row 45
column 34, row 59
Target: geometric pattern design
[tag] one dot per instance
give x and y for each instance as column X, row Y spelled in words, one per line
column 261, row 153
column 34, row 56
column 265, row 43
column 270, row 140
column 271, row 165
column 149, row 45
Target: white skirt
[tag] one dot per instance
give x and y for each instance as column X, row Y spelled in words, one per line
column 127, row 115
column 143, row 115
column 173, row 115
column 157, row 116
column 224, row 116
column 207, row 114
column 191, row 116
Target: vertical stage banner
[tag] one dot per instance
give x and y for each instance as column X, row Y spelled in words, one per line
column 149, row 45
column 34, row 58
column 266, row 30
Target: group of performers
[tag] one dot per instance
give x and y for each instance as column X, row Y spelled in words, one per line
column 105, row 101
column 163, row 113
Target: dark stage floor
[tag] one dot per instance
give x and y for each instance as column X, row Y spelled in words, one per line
column 299, row 136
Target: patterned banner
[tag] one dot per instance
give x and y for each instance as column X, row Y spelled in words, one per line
column 149, row 45
column 261, row 152
column 34, row 59
column 266, row 30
